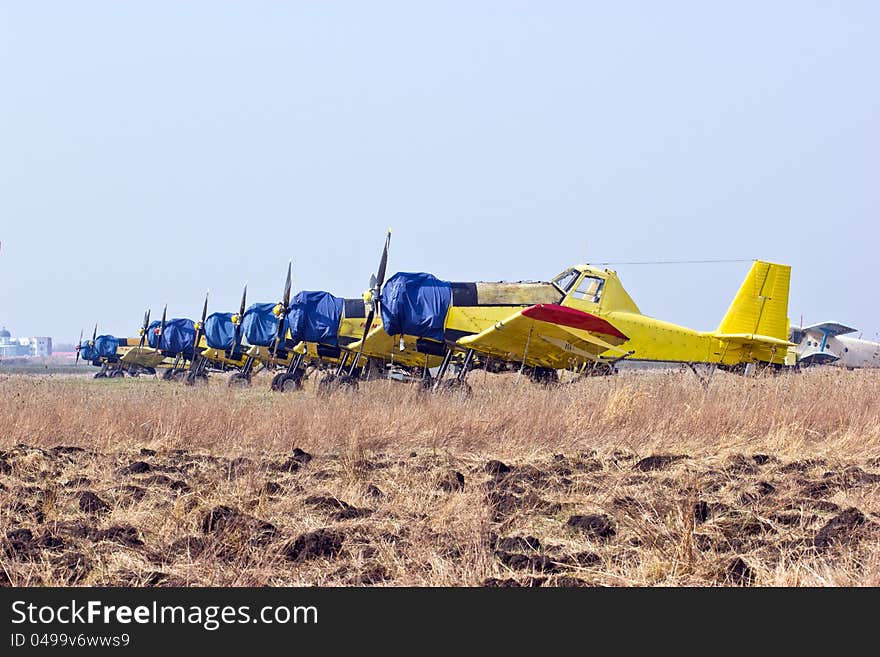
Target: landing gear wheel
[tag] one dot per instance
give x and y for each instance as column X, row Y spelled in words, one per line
column 239, row 380
column 287, row 382
column 196, row 379
column 455, row 386
column 544, row 376
column 347, row 381
column 326, row 384
column 100, row 375
column 168, row 375
column 116, row 374
column 331, row 382
column 179, row 375
column 603, row 369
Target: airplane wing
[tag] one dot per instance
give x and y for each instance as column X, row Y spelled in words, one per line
column 548, row 335
column 381, row 345
column 143, row 356
column 830, row 328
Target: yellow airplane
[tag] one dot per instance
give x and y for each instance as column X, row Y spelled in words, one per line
column 152, row 349
column 218, row 340
column 381, row 350
column 582, row 320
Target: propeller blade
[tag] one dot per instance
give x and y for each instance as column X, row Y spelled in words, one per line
column 205, row 307
column 279, row 336
column 376, row 283
column 95, row 333
column 78, row 347
column 199, row 328
column 360, row 350
column 161, row 330
column 144, row 328
column 287, row 284
column 236, row 333
column 243, row 299
column 383, row 263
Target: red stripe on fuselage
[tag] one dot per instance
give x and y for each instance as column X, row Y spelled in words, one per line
column 565, row 316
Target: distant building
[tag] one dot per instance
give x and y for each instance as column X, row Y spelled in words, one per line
column 11, row 347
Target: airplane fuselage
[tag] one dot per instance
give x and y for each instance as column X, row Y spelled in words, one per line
column 840, row 350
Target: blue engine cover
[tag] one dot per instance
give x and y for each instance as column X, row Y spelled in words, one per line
column 260, row 326
column 87, row 351
column 105, row 347
column 314, row 317
column 415, row 304
column 179, row 336
column 219, row 330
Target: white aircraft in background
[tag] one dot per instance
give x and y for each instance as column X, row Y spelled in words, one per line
column 827, row 343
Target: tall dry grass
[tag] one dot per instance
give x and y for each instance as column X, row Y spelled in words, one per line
column 774, row 459
column 816, row 412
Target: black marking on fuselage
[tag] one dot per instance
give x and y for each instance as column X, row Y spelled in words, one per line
column 354, row 308
column 451, row 335
column 464, row 294
column 328, row 351
column 430, row 347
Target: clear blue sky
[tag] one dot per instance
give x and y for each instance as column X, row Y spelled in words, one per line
column 151, row 150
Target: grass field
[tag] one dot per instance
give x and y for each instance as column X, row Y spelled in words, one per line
column 638, row 479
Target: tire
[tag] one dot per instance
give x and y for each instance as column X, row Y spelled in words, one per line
column 168, row 375
column 239, row 380
column 456, row 386
column 603, row 369
column 288, row 382
column 196, row 379
column 544, row 376
column 276, row 380
column 100, row 375
column 332, row 383
column 347, row 381
column 326, row 384
column 117, row 374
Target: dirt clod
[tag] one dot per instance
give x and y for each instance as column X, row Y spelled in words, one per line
column 657, row 462
column 840, row 529
column 137, row 467
column 594, row 525
column 519, row 544
column 453, row 481
column 89, row 502
column 738, row 572
column 495, row 468
column 311, row 545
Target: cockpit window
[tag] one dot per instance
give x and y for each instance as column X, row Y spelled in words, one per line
column 590, row 289
column 565, row 280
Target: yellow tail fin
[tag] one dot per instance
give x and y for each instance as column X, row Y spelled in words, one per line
column 761, row 305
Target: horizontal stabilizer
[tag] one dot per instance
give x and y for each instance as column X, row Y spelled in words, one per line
column 829, row 328
column 743, row 338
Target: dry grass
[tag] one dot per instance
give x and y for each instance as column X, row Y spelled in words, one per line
column 778, row 483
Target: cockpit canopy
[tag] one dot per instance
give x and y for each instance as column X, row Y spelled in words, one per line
column 580, row 285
